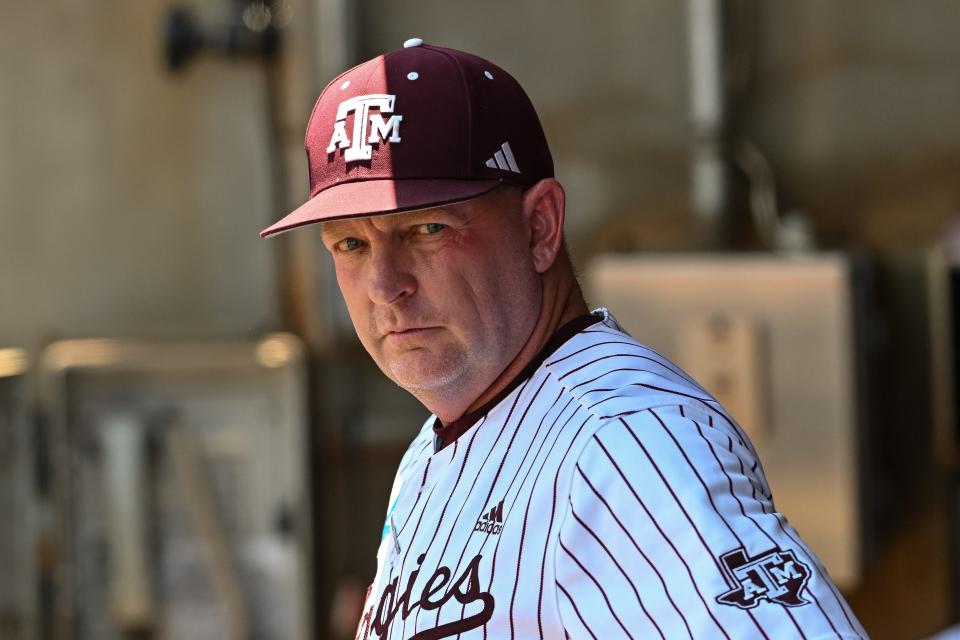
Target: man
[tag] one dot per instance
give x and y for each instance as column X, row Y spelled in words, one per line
column 571, row 482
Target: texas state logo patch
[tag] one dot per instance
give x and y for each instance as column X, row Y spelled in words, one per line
column 775, row 575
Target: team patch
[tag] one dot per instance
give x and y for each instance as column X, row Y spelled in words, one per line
column 775, row 575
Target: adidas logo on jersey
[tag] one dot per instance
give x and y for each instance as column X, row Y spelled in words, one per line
column 491, row 522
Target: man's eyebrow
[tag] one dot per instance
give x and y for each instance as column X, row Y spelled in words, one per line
column 427, row 214
column 347, row 226
column 326, row 231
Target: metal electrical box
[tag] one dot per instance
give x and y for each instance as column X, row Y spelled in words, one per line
column 17, row 586
column 774, row 339
column 180, row 489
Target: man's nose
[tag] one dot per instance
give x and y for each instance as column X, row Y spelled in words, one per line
column 390, row 279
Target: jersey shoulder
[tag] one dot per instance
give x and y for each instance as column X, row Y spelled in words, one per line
column 612, row 375
column 617, row 379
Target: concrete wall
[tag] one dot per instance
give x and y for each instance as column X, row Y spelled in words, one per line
column 857, row 104
column 130, row 200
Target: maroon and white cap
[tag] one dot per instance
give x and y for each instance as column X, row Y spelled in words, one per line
column 415, row 128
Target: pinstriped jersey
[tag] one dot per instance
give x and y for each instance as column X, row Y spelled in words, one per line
column 607, row 495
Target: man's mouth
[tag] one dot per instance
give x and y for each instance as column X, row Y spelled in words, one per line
column 409, row 331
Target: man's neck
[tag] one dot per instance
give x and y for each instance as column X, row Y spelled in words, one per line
column 562, row 301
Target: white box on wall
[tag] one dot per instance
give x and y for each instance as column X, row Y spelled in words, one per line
column 774, row 339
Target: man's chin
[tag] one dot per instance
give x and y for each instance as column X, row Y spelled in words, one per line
column 420, row 371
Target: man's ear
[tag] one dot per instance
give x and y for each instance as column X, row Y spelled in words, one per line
column 543, row 211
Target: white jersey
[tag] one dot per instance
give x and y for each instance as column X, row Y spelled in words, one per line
column 607, row 496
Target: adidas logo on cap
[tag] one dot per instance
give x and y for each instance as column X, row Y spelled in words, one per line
column 504, row 160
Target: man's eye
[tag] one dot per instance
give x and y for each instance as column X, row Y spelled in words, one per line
column 349, row 244
column 432, row 227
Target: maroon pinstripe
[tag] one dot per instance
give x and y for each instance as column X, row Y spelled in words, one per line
column 663, row 582
column 599, row 588
column 613, row 559
column 574, row 605
column 656, row 524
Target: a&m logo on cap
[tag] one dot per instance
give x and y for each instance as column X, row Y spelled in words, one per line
column 380, row 130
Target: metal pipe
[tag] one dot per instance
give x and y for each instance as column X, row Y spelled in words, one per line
column 201, row 509
column 123, row 438
column 708, row 114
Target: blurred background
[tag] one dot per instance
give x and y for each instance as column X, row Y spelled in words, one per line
column 194, row 445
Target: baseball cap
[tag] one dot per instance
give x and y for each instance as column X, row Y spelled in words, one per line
column 415, row 128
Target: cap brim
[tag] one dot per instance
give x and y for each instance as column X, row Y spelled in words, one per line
column 377, row 197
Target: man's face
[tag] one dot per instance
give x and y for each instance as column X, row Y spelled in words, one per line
column 442, row 299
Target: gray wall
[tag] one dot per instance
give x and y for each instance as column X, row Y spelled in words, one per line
column 857, row 104
column 130, row 200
